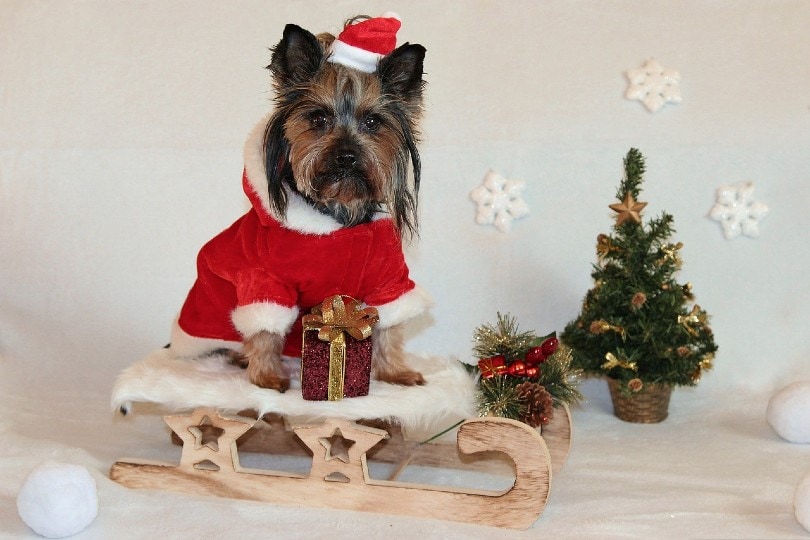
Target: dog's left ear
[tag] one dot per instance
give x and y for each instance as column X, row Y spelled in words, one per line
column 296, row 58
column 401, row 71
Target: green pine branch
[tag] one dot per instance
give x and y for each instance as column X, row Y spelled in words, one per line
column 634, row 168
column 503, row 338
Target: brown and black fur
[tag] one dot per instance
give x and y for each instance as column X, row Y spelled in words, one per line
column 342, row 138
column 345, row 141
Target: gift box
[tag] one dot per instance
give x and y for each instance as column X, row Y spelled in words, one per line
column 336, row 353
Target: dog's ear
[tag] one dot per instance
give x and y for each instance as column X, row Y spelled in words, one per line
column 296, row 58
column 276, row 163
column 401, row 71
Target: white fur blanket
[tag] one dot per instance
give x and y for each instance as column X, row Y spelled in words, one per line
column 178, row 384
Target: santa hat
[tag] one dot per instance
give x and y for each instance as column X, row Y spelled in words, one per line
column 361, row 45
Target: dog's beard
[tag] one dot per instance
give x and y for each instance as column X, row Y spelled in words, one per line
column 376, row 180
column 342, row 186
column 340, row 175
column 346, row 195
column 355, row 213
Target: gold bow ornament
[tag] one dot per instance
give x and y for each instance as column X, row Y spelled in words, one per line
column 612, row 362
column 334, row 318
column 696, row 317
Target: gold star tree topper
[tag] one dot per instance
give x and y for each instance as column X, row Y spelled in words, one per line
column 628, row 209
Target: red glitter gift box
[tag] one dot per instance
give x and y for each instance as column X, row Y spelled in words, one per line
column 336, row 355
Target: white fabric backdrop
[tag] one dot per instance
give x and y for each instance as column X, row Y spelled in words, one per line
column 121, row 127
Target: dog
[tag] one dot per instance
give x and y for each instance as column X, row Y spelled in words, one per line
column 333, row 178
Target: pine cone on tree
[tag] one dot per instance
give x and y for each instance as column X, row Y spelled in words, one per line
column 538, row 403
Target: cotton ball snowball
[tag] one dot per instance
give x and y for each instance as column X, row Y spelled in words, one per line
column 789, row 412
column 801, row 502
column 58, row 499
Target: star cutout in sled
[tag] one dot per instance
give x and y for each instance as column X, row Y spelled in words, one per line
column 653, row 85
column 209, row 436
column 337, row 446
column 737, row 210
column 499, row 201
column 206, row 435
column 628, row 209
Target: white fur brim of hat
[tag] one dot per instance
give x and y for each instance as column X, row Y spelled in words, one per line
column 180, row 384
column 353, row 57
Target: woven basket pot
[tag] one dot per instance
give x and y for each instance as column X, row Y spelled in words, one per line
column 648, row 406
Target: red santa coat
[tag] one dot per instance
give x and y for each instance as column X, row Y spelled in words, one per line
column 263, row 271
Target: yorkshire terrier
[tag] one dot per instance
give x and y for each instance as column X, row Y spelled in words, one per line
column 333, row 177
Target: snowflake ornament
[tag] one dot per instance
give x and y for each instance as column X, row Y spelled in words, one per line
column 499, row 201
column 737, row 210
column 653, row 85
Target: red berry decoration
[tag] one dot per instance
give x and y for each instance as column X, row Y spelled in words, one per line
column 517, row 368
column 550, row 346
column 532, row 372
column 535, row 355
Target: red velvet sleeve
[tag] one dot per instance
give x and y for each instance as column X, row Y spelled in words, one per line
column 387, row 273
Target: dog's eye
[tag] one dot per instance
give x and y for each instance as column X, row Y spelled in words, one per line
column 318, row 119
column 372, row 122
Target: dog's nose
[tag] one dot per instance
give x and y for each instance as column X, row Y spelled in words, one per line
column 346, row 158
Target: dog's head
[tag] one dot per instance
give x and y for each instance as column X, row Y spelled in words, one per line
column 341, row 137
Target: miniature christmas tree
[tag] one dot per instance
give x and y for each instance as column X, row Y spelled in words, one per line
column 638, row 326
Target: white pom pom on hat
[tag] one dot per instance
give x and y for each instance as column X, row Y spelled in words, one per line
column 361, row 45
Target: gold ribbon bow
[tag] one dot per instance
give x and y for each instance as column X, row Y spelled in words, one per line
column 670, row 251
column 696, row 317
column 337, row 316
column 613, row 362
column 605, row 246
column 600, row 327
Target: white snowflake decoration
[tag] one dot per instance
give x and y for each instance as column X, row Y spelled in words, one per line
column 653, row 85
column 737, row 210
column 499, row 201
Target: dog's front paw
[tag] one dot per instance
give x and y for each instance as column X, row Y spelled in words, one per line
column 268, row 379
column 388, row 362
column 262, row 351
column 403, row 378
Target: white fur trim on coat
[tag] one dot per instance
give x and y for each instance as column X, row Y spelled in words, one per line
column 184, row 345
column 268, row 316
column 255, row 164
column 407, row 306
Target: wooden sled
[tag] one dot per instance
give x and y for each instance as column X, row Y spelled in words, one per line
column 339, row 476
column 342, row 446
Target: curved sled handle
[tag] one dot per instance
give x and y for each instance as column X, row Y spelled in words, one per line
column 521, row 505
